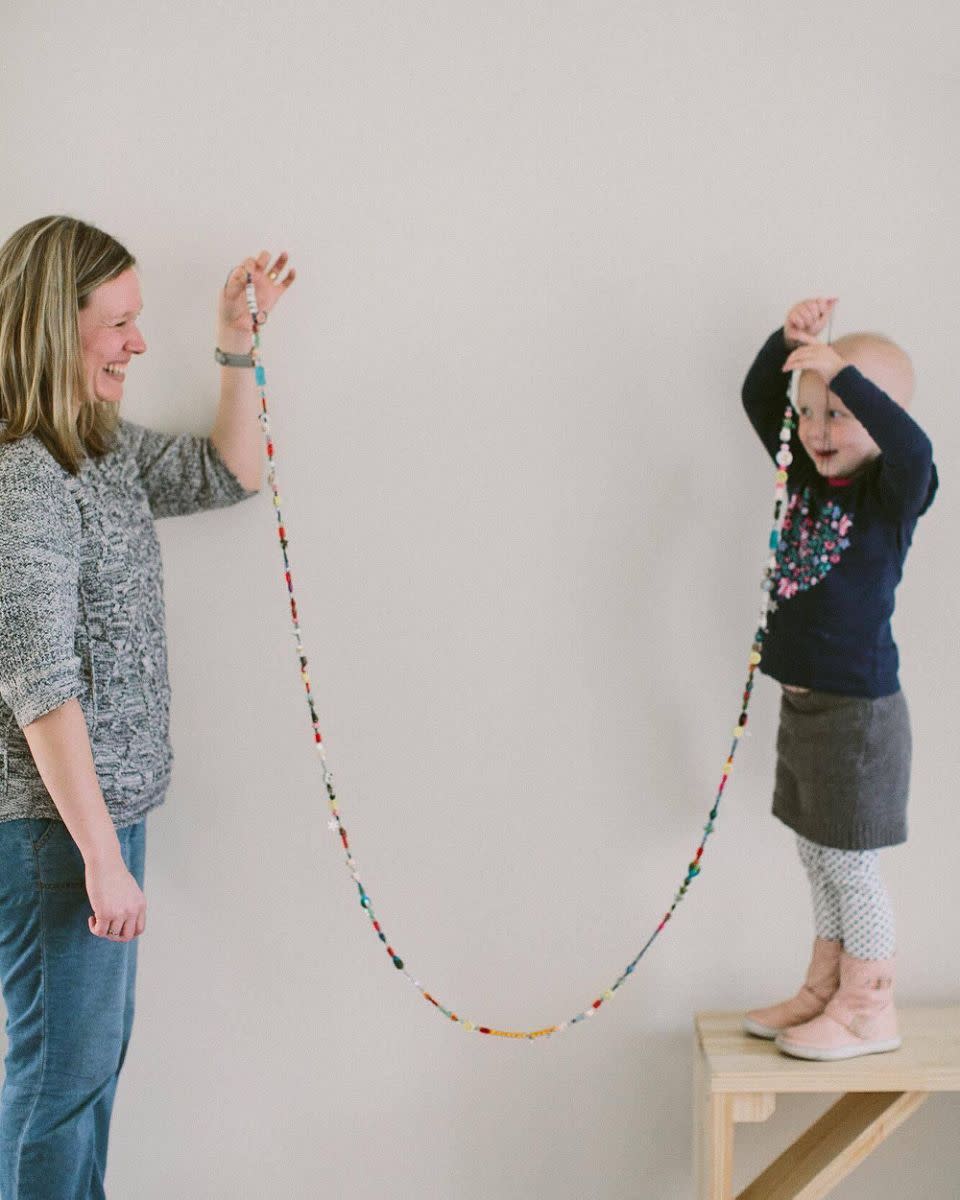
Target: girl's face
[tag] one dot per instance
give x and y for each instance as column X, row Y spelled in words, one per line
column 832, row 436
column 109, row 336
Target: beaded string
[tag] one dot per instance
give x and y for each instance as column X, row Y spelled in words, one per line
column 335, row 824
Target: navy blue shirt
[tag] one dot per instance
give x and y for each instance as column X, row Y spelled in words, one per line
column 843, row 545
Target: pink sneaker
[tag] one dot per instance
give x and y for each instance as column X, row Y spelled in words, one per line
column 860, row 1019
column 823, row 979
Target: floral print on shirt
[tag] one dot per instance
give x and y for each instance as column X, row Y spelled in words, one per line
column 812, row 539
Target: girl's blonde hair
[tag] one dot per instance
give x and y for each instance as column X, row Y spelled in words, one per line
column 48, row 269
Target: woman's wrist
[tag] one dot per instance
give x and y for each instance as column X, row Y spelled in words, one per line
column 101, row 852
column 234, row 341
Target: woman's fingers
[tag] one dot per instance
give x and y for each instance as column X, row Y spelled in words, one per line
column 277, row 269
column 128, row 930
column 236, row 280
column 122, row 927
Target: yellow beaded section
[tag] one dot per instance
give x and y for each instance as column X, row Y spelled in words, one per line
column 510, row 1033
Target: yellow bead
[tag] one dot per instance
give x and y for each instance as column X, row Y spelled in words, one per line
column 738, row 731
column 608, row 995
column 469, row 1026
column 781, row 477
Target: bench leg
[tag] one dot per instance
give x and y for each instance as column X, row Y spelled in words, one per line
column 712, row 1136
column 830, row 1149
column 715, row 1116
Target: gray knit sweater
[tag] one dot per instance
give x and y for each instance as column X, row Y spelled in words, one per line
column 81, row 606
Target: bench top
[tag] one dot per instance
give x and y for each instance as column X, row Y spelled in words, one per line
column 928, row 1060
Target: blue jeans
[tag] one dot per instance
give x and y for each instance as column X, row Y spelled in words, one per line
column 69, row 999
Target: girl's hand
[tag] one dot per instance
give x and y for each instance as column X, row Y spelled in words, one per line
column 119, row 906
column 234, row 315
column 816, row 357
column 807, row 319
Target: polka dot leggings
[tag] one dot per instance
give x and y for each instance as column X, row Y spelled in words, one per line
column 850, row 903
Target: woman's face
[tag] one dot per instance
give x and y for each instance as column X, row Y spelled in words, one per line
column 109, row 336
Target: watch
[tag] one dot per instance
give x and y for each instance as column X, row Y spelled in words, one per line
column 233, row 360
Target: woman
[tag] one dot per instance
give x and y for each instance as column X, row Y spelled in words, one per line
column 84, row 694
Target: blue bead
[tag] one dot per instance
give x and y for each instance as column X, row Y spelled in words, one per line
column 261, row 376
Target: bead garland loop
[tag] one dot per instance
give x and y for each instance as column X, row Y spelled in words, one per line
column 783, row 458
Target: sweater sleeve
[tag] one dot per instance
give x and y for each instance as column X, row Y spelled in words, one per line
column 765, row 400
column 39, row 586
column 907, row 479
column 182, row 473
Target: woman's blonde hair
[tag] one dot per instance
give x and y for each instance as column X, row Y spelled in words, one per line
column 48, row 269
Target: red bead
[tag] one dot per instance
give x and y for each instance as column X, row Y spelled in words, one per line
column 597, row 1003
column 483, row 1029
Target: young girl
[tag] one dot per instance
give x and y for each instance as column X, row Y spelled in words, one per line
column 861, row 476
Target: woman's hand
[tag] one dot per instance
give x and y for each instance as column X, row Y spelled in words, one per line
column 119, row 906
column 807, row 319
column 815, row 356
column 234, row 315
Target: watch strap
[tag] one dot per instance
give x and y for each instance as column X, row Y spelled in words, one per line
column 233, row 360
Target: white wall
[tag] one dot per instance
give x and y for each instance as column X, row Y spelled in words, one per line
column 538, row 245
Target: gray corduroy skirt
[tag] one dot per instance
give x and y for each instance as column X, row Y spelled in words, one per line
column 843, row 769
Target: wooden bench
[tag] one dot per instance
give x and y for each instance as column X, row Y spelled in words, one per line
column 737, row 1078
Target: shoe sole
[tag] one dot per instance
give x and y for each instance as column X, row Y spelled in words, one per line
column 757, row 1030
column 812, row 1054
